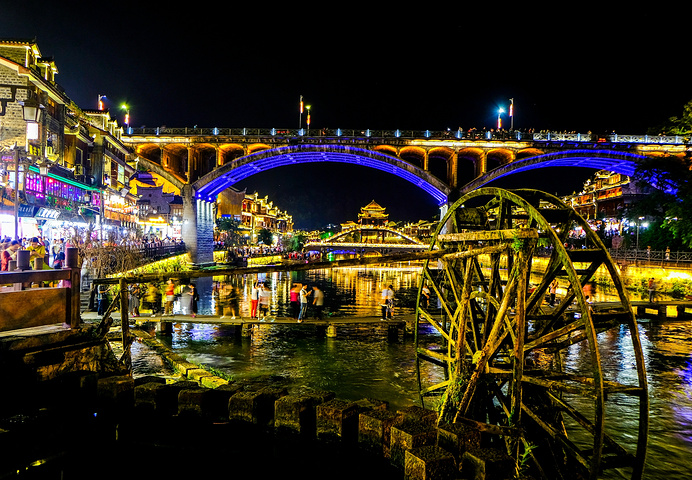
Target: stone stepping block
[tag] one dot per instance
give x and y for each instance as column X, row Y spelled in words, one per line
column 115, row 393
column 419, row 414
column 457, row 438
column 337, row 420
column 409, row 434
column 429, row 463
column 160, row 398
column 255, row 406
column 298, row 413
column 374, row 430
column 487, row 463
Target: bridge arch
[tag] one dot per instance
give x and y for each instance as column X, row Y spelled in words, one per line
column 211, row 184
column 618, row 162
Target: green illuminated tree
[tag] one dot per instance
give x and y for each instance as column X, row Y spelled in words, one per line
column 676, row 125
column 671, row 203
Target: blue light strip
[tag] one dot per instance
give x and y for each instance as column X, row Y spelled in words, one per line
column 252, row 167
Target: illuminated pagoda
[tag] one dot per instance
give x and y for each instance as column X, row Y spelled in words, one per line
column 373, row 215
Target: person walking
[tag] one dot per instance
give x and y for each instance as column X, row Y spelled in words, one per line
column 425, row 296
column 254, row 300
column 552, row 290
column 194, row 298
column 265, row 296
column 387, row 302
column 652, row 290
column 133, row 301
column 102, row 299
column 295, row 300
column 153, row 299
column 318, row 302
column 304, row 294
column 170, row 297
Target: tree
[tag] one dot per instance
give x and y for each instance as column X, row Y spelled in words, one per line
column 231, row 227
column 671, row 201
column 675, row 125
column 265, row 236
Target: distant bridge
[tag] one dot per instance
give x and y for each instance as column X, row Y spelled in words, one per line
column 367, row 239
column 203, row 162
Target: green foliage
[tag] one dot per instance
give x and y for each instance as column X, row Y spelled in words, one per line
column 676, row 125
column 265, row 236
column 670, row 204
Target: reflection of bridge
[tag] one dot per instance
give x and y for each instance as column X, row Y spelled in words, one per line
column 204, row 162
column 367, row 239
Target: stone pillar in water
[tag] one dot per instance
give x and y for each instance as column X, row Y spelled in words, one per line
column 198, row 227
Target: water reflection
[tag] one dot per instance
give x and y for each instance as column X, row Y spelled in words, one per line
column 366, row 363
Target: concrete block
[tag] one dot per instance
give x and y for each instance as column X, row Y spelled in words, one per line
column 419, row 414
column 457, row 438
column 374, row 430
column 116, row 393
column 486, row 464
column 429, row 463
column 212, row 382
column 409, row 434
column 256, row 407
column 337, row 420
column 195, row 402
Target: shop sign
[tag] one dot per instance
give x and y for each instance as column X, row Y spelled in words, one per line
column 25, row 211
column 49, row 213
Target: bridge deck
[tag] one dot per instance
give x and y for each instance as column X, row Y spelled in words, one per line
column 227, row 320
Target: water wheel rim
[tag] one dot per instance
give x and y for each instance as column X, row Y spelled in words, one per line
column 517, row 198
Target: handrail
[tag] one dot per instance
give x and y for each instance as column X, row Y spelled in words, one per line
column 365, row 134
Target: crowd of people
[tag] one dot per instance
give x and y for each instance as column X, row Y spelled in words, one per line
column 52, row 253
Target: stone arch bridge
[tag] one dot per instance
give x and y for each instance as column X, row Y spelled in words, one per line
column 204, row 162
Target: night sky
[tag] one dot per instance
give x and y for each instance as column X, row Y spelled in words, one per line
column 581, row 68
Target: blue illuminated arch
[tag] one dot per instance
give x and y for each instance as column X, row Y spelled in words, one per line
column 618, row 162
column 210, row 185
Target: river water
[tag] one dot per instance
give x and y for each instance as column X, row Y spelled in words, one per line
column 366, row 362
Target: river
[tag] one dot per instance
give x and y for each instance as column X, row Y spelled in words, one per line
column 361, row 363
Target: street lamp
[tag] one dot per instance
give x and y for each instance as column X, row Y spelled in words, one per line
column 511, row 114
column 127, row 113
column 499, row 118
column 31, row 110
column 308, row 118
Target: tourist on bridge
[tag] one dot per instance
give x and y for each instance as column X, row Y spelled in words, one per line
column 254, row 300
column 153, row 299
column 387, row 302
column 264, row 300
column 652, row 290
column 194, row 298
column 318, row 302
column 295, row 300
column 9, row 253
column 304, row 294
column 133, row 301
column 425, row 296
column 170, row 297
column 552, row 290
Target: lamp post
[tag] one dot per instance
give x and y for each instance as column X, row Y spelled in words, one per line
column 499, row 118
column 125, row 107
column 31, row 109
column 511, row 114
column 300, row 117
column 308, row 118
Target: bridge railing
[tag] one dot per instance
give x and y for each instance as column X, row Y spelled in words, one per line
column 658, row 257
column 480, row 135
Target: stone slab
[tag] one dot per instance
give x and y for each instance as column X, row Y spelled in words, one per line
column 429, row 463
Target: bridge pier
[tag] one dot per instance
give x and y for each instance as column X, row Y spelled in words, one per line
column 198, row 227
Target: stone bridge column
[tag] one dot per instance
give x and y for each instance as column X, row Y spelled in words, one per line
column 198, row 227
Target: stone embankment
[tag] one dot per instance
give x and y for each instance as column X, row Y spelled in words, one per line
column 404, row 444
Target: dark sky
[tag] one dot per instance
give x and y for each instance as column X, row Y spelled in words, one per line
column 362, row 66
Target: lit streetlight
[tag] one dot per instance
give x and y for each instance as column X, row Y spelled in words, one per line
column 511, row 114
column 307, row 107
column 127, row 113
column 499, row 118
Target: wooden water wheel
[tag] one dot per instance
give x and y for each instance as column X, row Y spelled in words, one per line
column 509, row 358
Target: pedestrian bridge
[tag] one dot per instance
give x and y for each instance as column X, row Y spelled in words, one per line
column 202, row 162
column 368, row 239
